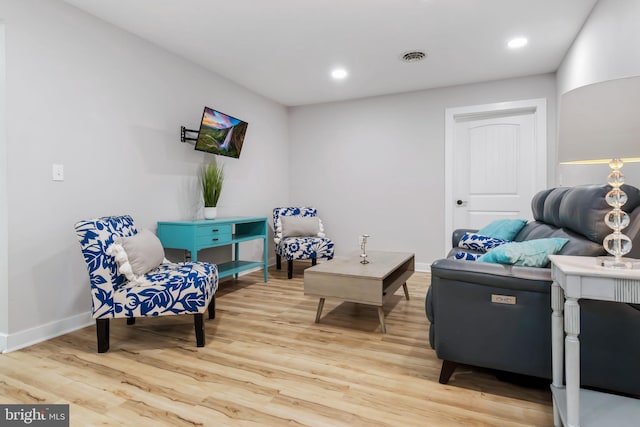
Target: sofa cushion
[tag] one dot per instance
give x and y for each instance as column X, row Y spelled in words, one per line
column 535, row 230
column 551, row 211
column 505, row 229
column 291, row 248
column 531, row 253
column 537, row 204
column 578, row 244
column 530, row 279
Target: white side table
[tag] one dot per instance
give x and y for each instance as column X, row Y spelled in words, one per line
column 575, row 278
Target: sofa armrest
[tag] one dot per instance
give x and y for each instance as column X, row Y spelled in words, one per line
column 496, row 275
column 468, row 327
column 457, row 235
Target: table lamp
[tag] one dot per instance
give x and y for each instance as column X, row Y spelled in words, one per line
column 600, row 123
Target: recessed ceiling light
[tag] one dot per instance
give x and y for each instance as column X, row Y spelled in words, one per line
column 518, row 42
column 339, row 73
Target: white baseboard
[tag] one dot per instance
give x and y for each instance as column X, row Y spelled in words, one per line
column 44, row 332
column 423, row 267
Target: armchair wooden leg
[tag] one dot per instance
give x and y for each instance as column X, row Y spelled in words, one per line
column 131, row 320
column 314, row 261
column 212, row 308
column 198, row 322
column 102, row 331
column 289, row 269
column 446, row 371
column 278, row 262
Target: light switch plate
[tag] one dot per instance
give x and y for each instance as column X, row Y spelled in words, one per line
column 58, row 172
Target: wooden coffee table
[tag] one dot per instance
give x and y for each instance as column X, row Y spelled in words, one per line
column 347, row 279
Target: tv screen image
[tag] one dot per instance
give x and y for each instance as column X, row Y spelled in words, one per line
column 220, row 134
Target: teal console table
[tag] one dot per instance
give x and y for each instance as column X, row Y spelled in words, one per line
column 202, row 234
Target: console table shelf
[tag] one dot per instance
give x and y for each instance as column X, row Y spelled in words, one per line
column 599, row 409
column 195, row 235
column 234, row 267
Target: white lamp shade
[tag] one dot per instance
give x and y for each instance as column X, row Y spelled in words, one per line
column 600, row 121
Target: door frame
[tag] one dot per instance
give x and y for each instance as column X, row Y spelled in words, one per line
column 537, row 107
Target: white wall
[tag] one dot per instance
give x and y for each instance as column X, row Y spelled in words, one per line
column 606, row 48
column 4, row 246
column 376, row 165
column 108, row 106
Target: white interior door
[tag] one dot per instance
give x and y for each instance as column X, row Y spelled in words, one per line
column 496, row 162
column 496, row 177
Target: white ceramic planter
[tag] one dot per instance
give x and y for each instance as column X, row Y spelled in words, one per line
column 210, row 213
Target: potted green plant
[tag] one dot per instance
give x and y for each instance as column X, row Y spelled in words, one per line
column 211, row 178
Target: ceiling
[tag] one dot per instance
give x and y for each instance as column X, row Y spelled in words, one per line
column 285, row 49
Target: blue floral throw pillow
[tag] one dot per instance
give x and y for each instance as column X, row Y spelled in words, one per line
column 467, row 256
column 480, row 243
column 530, row 253
column 505, row 229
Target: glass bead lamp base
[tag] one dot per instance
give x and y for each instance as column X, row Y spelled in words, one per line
column 623, row 263
column 616, row 243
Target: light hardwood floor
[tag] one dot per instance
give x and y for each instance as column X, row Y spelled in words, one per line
column 267, row 363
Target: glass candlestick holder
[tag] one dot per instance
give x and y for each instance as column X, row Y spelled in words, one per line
column 363, row 248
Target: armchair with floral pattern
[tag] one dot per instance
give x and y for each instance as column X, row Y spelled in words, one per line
column 302, row 245
column 169, row 289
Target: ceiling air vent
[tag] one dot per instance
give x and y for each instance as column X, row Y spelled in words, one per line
column 414, row 56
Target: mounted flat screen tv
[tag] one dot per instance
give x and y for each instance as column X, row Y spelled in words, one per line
column 220, row 134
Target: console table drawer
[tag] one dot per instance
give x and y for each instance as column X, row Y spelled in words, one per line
column 213, row 230
column 213, row 240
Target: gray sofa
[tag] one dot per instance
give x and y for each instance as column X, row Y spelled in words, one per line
column 468, row 328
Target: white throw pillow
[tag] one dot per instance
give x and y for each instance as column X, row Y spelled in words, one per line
column 137, row 255
column 300, row 226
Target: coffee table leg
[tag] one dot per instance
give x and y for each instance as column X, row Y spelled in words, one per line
column 406, row 291
column 381, row 317
column 320, row 305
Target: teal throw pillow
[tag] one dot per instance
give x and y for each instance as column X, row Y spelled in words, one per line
column 530, row 253
column 505, row 229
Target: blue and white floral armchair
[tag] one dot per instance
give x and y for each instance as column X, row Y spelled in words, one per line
column 310, row 244
column 165, row 290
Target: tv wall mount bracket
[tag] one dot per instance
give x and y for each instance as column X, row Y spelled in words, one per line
column 184, row 137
